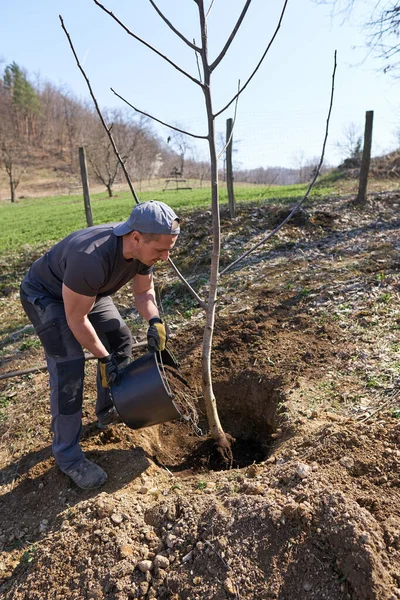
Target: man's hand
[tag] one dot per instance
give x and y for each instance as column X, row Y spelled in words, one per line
column 157, row 334
column 108, row 371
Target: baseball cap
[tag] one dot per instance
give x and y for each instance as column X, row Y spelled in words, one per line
column 150, row 217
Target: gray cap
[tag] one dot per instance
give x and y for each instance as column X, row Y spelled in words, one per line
column 150, row 217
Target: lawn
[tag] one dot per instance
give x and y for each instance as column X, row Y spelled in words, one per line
column 38, row 221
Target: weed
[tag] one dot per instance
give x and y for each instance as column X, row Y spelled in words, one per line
column 29, row 554
column 31, row 343
column 201, row 485
column 305, row 292
column 385, row 298
column 396, row 413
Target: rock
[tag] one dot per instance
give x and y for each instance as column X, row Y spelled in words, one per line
column 161, row 562
column 143, row 588
column 116, row 518
column 303, row 470
column 229, row 586
column 144, row 565
column 126, row 551
column 103, row 509
column 307, row 586
column 347, row 462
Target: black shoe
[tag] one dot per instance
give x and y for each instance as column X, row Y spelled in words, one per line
column 108, row 417
column 87, row 475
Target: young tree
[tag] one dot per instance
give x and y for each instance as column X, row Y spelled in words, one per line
column 206, row 69
column 13, row 143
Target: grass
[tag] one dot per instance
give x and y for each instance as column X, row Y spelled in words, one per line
column 38, row 221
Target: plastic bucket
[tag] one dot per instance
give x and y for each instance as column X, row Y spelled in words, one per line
column 141, row 397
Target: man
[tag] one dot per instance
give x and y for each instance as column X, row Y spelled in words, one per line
column 66, row 296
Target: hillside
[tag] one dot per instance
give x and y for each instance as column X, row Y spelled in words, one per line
column 306, row 368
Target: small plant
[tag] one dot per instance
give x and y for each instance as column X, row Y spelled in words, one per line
column 380, row 276
column 385, row 298
column 201, row 485
column 396, row 413
column 29, row 554
column 31, row 343
column 305, row 292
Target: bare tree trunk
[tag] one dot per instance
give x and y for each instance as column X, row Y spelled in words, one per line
column 217, row 433
column 361, row 199
column 12, row 185
column 109, row 190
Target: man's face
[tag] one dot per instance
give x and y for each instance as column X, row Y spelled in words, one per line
column 150, row 252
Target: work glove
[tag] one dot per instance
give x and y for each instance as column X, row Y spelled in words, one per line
column 108, row 371
column 157, row 334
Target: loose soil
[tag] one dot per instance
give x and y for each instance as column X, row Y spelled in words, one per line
column 306, row 369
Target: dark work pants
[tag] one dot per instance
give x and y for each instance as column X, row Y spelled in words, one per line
column 66, row 365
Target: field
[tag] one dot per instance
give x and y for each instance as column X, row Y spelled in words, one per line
column 306, row 362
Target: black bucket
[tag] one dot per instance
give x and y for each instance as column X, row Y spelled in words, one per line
column 141, row 397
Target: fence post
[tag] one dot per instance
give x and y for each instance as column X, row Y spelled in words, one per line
column 85, row 186
column 365, row 160
column 229, row 173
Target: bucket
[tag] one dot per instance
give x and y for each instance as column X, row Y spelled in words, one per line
column 141, row 397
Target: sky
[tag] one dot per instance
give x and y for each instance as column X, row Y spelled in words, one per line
column 281, row 115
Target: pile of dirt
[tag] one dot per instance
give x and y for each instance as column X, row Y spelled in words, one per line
column 306, row 373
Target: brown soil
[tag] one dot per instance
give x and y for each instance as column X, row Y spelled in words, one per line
column 306, row 371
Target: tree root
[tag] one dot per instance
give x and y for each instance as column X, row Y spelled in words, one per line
column 224, row 448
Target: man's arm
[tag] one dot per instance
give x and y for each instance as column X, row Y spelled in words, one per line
column 145, row 297
column 77, row 308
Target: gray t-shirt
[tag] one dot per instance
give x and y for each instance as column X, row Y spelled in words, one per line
column 90, row 262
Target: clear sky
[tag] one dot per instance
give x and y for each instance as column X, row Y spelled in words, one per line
column 281, row 115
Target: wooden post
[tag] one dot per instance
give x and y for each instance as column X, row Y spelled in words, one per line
column 229, row 173
column 85, row 186
column 365, row 160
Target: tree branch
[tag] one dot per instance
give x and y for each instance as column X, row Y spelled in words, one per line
column 200, row 137
column 271, row 233
column 178, row 33
column 233, row 125
column 231, row 38
column 107, row 129
column 187, row 285
column 209, row 9
column 139, row 39
column 259, row 63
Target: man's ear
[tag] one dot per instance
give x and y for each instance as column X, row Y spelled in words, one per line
column 136, row 237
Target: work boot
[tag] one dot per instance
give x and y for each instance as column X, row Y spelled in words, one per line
column 87, row 475
column 108, row 417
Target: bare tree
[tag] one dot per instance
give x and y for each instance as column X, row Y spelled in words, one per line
column 206, row 68
column 351, row 145
column 13, row 142
column 101, row 155
column 381, row 28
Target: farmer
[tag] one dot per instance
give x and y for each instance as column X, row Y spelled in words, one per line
column 66, row 295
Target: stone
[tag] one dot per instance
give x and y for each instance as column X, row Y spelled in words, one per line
column 347, row 462
column 303, row 470
column 116, row 518
column 125, row 551
column 144, row 565
column 161, row 562
column 229, row 586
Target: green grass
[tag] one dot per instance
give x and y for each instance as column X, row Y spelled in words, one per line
column 37, row 221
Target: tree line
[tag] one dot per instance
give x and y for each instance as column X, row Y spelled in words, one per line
column 42, row 123
column 42, row 120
